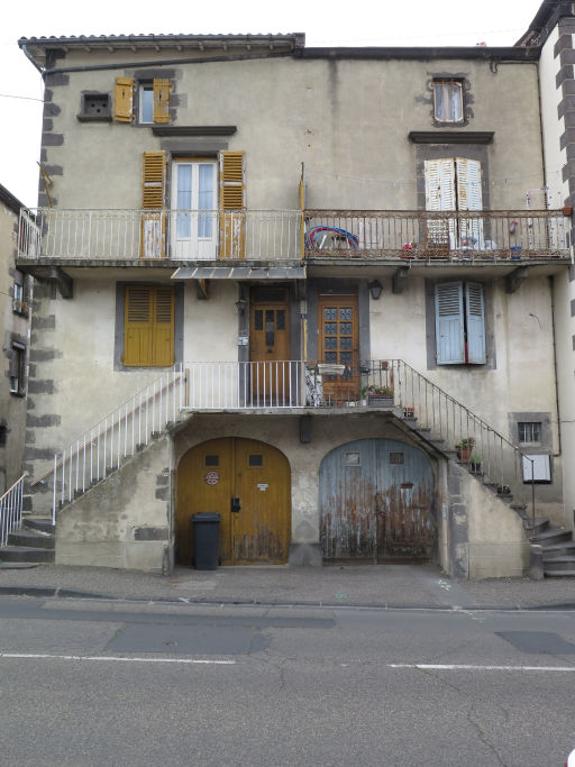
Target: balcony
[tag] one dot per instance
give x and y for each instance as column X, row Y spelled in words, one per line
column 172, row 237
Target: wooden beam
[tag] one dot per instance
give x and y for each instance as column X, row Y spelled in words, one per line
column 399, row 279
column 514, row 279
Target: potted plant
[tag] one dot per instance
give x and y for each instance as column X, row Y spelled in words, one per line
column 464, row 449
column 475, row 463
column 409, row 411
column 378, row 396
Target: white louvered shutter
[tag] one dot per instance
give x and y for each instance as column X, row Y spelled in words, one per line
column 475, row 322
column 469, row 197
column 449, row 323
column 440, row 195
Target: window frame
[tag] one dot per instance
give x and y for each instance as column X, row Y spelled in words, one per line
column 530, row 424
column 17, row 373
column 145, row 86
column 446, row 84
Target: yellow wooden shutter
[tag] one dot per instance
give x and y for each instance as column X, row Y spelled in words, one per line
column 162, row 90
column 232, row 205
column 153, row 199
column 124, row 99
column 149, row 326
column 138, row 326
column 164, row 327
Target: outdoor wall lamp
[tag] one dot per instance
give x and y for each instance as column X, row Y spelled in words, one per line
column 241, row 306
column 375, row 289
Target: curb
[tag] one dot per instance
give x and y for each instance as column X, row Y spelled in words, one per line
column 64, row 593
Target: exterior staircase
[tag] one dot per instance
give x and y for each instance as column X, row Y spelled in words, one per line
column 424, row 410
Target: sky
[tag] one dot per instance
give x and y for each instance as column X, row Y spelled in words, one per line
column 362, row 23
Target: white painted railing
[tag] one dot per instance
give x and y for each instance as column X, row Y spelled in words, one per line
column 246, row 385
column 11, row 509
column 100, row 450
column 178, row 235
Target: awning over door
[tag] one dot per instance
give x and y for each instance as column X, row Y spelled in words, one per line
column 239, row 273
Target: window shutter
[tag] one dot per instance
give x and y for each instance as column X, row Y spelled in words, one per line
column 163, row 342
column 138, row 326
column 440, row 195
column 469, row 197
column 449, row 323
column 162, row 91
column 124, row 99
column 149, row 326
column 153, row 198
column 232, row 205
column 475, row 322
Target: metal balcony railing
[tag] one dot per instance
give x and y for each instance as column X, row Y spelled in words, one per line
column 425, row 235
column 177, row 235
column 288, row 235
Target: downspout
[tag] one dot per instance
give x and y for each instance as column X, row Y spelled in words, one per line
column 555, row 370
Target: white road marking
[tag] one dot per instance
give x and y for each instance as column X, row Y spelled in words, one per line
column 118, row 659
column 470, row 667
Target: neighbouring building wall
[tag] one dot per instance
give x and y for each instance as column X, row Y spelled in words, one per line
column 558, row 122
column 14, row 329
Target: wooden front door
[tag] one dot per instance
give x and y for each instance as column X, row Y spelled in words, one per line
column 269, row 344
column 249, row 484
column 339, row 345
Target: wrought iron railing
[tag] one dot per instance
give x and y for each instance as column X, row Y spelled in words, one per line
column 457, row 235
column 11, row 509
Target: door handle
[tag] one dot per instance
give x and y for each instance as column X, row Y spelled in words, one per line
column 236, row 506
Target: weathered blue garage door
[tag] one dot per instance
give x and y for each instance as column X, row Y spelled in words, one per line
column 376, row 498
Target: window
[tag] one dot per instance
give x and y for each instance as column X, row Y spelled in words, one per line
column 18, row 369
column 460, row 323
column 212, row 460
column 448, row 101
column 146, row 103
column 454, row 183
column 256, row 459
column 529, row 432
column 153, row 97
column 148, row 326
column 20, row 303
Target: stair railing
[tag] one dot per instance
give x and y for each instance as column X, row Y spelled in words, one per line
column 488, row 454
column 129, row 428
column 11, row 509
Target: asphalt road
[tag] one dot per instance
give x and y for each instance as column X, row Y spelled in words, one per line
column 113, row 683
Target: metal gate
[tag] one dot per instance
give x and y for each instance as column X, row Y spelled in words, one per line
column 376, row 501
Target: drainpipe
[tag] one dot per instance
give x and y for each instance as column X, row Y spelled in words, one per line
column 552, row 289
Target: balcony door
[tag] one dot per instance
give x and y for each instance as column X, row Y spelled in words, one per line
column 194, row 223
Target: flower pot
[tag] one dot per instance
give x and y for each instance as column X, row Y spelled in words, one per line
column 475, row 467
column 567, row 210
column 464, row 454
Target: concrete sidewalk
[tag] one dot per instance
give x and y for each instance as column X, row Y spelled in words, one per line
column 366, row 585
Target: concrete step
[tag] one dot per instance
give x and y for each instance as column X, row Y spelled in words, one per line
column 551, row 536
column 559, row 550
column 559, row 564
column 31, row 538
column 44, row 524
column 26, row 554
column 560, row 573
column 536, row 526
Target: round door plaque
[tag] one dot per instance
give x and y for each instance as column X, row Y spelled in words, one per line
column 212, row 478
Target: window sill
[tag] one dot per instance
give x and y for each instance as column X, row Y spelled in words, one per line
column 94, row 118
column 19, row 394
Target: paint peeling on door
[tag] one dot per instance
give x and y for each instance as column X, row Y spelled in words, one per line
column 377, row 510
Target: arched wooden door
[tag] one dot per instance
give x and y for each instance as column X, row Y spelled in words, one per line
column 377, row 498
column 249, row 484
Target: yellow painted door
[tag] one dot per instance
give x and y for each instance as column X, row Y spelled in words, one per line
column 248, row 483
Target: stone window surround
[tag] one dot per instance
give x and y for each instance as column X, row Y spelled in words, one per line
column 458, row 77
column 545, row 446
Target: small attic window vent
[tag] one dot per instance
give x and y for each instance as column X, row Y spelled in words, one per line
column 95, row 106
